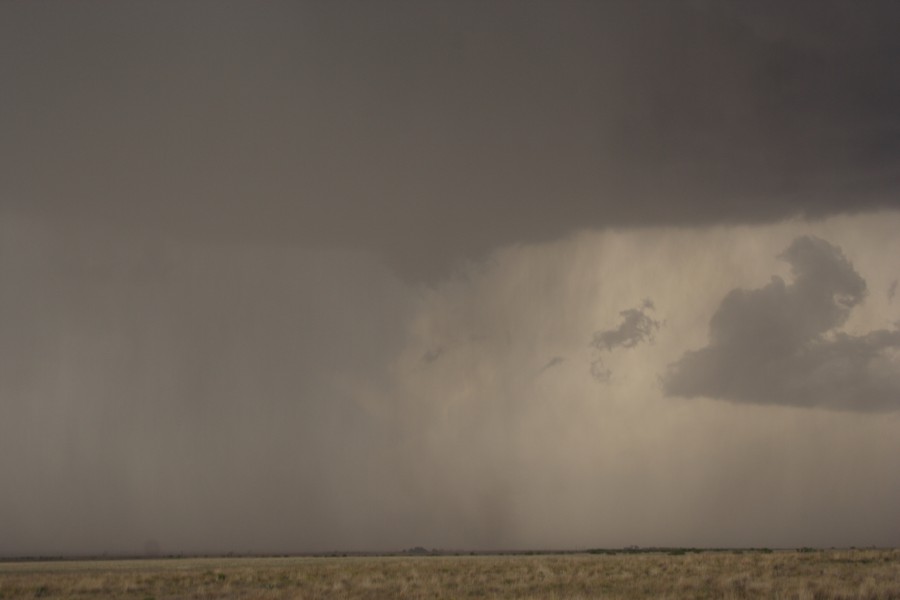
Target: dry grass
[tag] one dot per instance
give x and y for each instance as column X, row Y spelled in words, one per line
column 844, row 574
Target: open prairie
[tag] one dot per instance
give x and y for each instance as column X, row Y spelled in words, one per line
column 844, row 574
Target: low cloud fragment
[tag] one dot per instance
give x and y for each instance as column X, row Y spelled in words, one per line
column 433, row 354
column 553, row 362
column 599, row 371
column 636, row 327
column 780, row 344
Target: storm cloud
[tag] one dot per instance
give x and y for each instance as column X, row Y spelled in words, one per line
column 782, row 344
column 433, row 132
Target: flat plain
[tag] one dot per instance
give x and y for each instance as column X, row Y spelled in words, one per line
column 800, row 575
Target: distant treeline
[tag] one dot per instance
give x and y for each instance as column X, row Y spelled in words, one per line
column 422, row 551
column 679, row 551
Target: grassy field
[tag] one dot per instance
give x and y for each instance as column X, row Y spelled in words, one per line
column 844, row 574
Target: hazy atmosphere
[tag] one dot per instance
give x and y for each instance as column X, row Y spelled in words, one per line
column 312, row 276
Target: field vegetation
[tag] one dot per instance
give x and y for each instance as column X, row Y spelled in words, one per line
column 673, row 574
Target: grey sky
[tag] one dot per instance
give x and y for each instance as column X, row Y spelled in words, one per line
column 301, row 276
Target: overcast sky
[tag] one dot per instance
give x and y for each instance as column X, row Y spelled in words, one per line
column 311, row 276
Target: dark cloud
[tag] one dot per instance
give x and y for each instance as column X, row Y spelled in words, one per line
column 434, row 131
column 780, row 344
column 636, row 327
